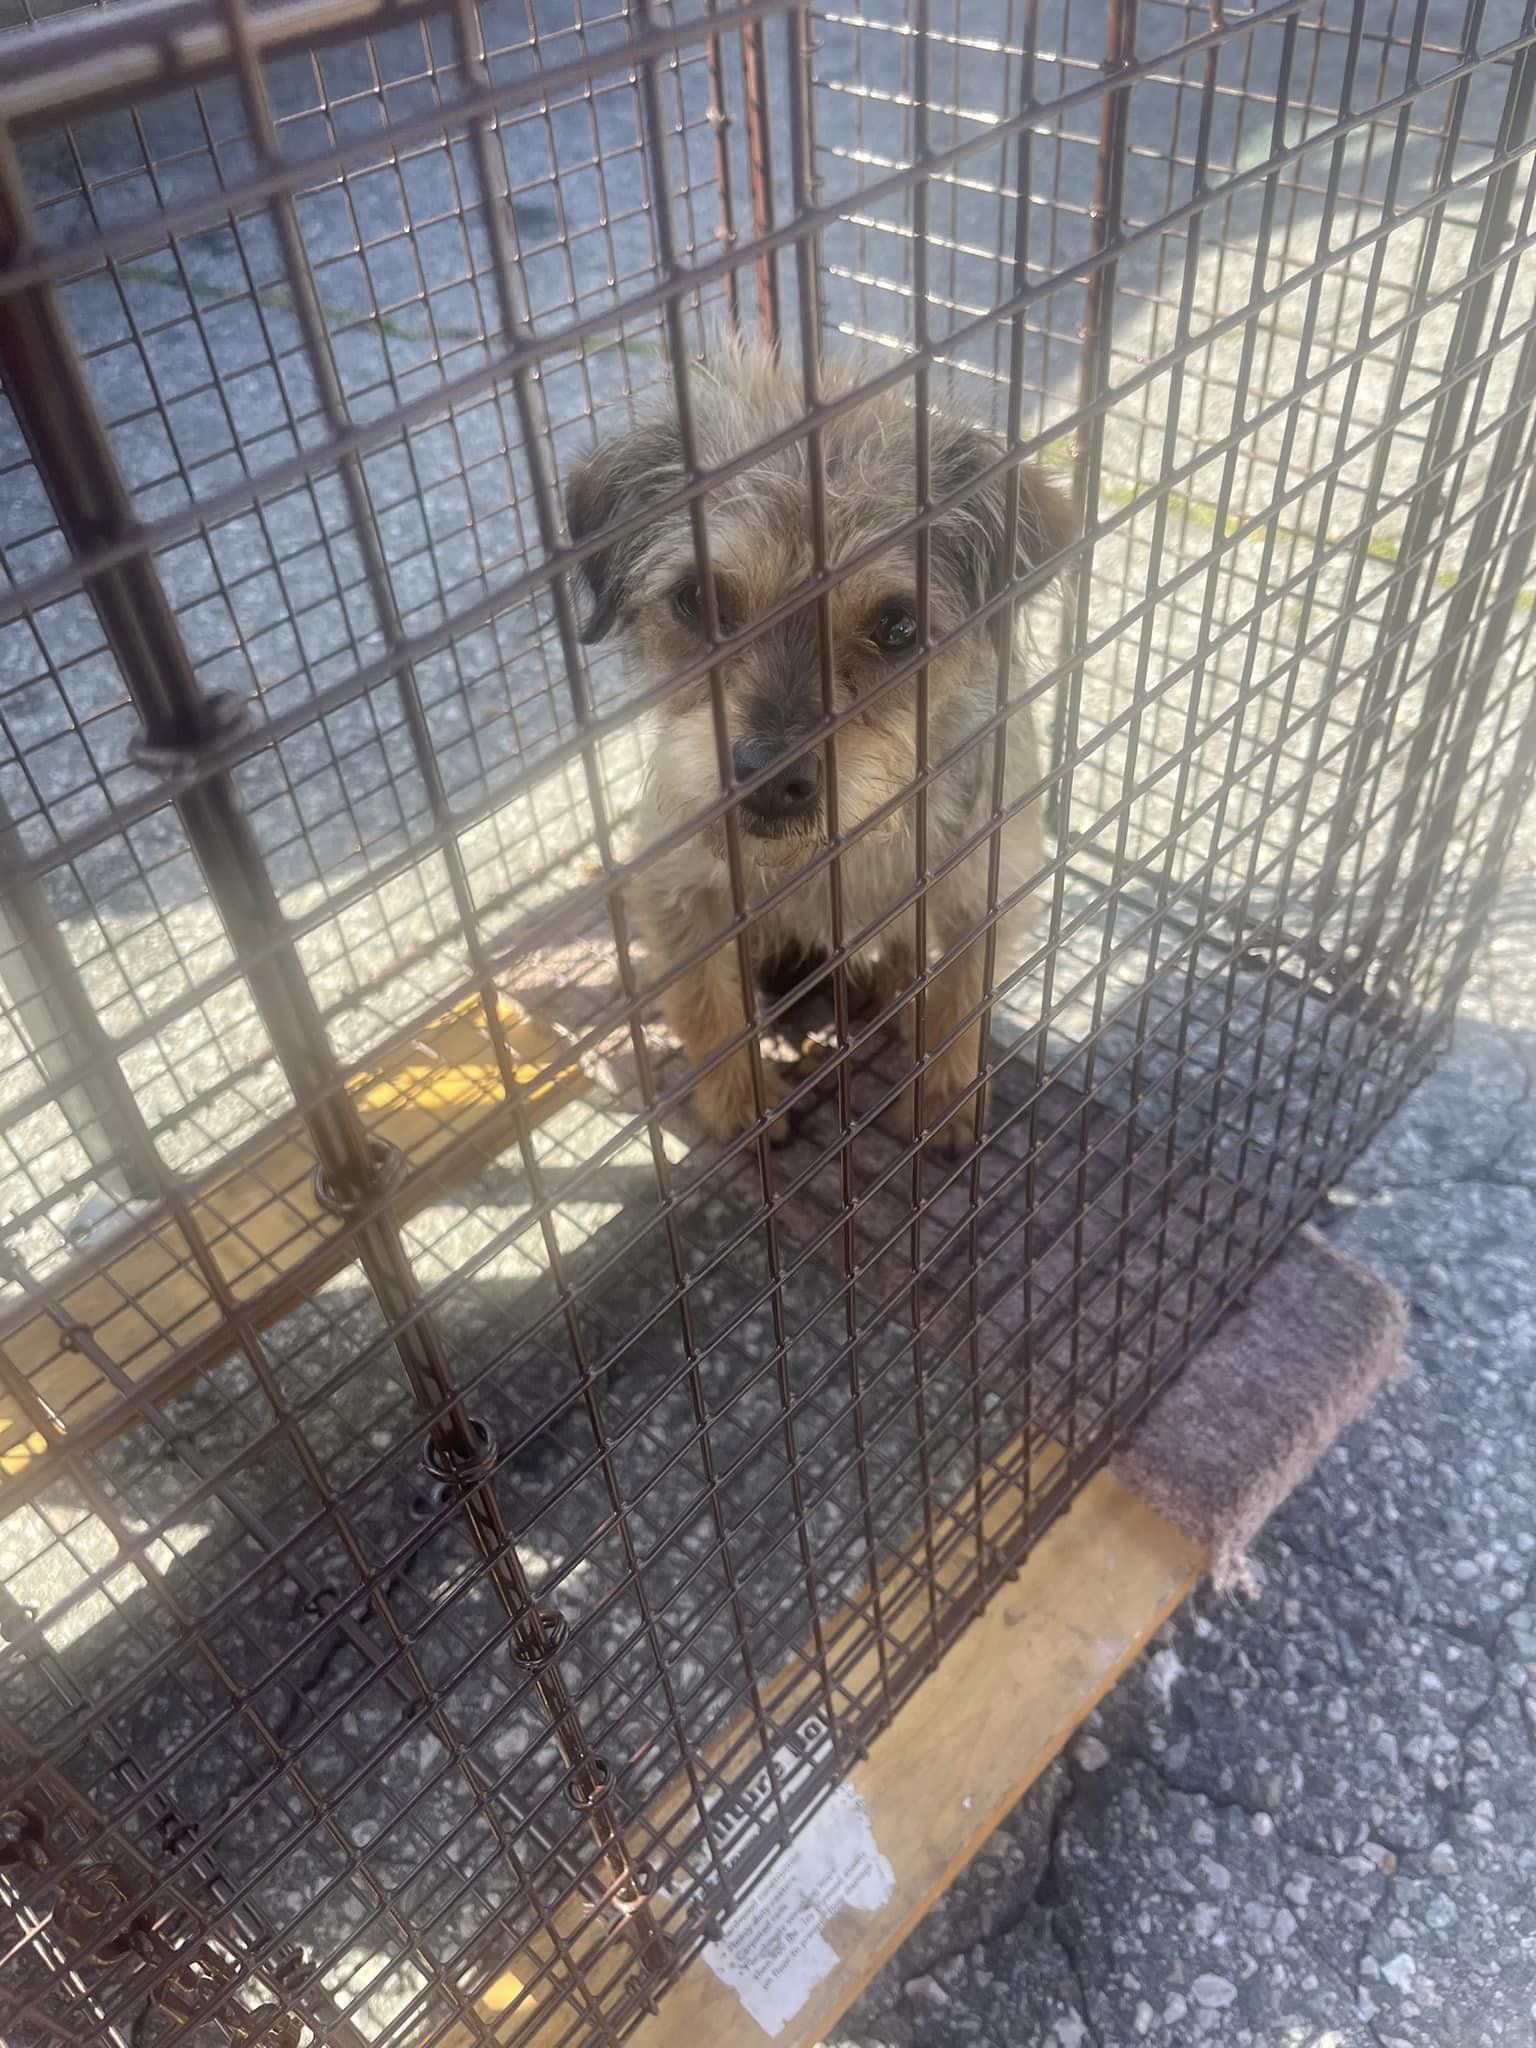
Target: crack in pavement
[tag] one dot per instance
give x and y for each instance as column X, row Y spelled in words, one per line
column 1221, row 1802
column 1056, row 1877
column 1443, row 1183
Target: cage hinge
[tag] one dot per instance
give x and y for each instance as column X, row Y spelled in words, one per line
column 588, row 1785
column 220, row 716
column 454, row 1472
column 346, row 1200
column 547, row 1637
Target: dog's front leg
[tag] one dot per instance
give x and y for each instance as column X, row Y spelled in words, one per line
column 706, row 1007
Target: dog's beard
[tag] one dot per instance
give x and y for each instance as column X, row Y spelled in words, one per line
column 767, row 844
column 869, row 790
column 810, row 830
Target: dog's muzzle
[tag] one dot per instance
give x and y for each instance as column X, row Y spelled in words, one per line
column 790, row 800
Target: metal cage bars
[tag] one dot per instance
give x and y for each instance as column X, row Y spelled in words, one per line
column 1350, row 961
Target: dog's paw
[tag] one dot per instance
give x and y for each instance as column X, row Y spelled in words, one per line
column 947, row 1134
column 955, row 1135
column 726, row 1101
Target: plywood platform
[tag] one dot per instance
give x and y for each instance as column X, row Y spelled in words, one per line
column 148, row 1304
column 973, row 1737
column 1261, row 1400
column 970, row 1739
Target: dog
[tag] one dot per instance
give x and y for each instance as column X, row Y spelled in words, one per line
column 644, row 584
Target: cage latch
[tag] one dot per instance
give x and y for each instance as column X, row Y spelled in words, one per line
column 23, row 1837
column 89, row 1908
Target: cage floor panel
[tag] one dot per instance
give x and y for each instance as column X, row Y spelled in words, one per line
column 777, row 1443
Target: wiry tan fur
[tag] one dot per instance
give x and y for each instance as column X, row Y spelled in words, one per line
column 759, row 535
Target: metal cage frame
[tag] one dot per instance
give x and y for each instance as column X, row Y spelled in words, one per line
column 455, row 1526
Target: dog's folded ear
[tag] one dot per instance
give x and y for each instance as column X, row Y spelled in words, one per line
column 967, row 477
column 616, row 481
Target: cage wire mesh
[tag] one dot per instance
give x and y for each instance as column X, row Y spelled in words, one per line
column 456, row 1522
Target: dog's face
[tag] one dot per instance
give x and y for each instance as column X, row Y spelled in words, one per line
column 759, row 526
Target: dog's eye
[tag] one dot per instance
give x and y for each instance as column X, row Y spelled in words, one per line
column 895, row 627
column 688, row 604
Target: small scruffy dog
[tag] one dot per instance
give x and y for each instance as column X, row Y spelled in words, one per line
column 759, row 528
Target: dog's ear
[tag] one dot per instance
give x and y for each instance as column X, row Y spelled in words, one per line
column 617, row 480
column 967, row 537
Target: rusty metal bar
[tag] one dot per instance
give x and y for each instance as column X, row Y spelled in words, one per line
column 59, row 417
column 722, row 1444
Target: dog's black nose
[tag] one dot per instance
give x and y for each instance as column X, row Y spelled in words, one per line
column 789, row 796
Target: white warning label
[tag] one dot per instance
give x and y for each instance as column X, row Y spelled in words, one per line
column 772, row 1951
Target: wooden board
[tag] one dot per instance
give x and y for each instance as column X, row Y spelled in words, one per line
column 137, row 1311
column 1002, row 1702
column 972, row 1738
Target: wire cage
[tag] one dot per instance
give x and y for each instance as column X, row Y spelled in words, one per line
column 456, row 1521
